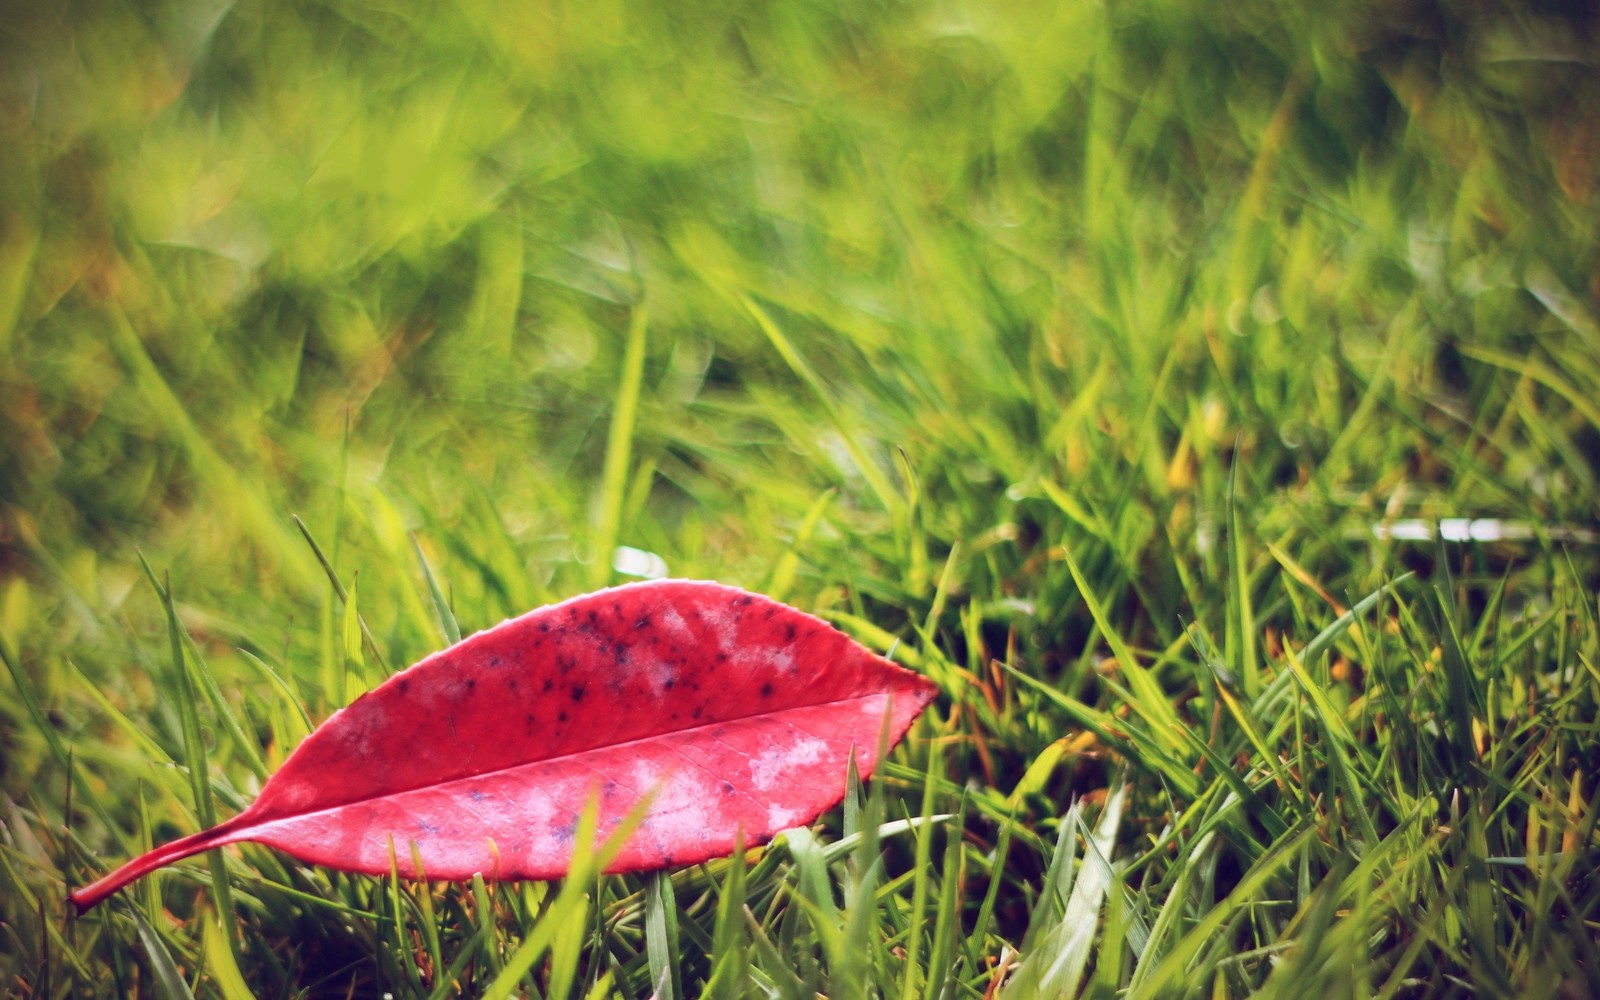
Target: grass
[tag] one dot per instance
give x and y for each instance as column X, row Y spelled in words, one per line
column 1114, row 367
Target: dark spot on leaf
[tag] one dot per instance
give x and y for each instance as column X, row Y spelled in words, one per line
column 699, row 710
column 577, row 693
column 562, row 715
column 766, row 690
column 565, row 832
column 788, row 633
column 477, row 795
column 642, row 622
column 494, row 661
column 472, row 682
column 670, row 683
column 527, row 720
column 405, row 682
column 511, row 682
column 727, row 788
column 549, row 683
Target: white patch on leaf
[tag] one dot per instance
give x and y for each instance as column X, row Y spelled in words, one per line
column 646, row 776
column 674, row 624
column 774, row 764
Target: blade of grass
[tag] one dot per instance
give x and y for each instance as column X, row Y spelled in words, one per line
column 429, row 923
column 730, row 950
column 1055, row 964
column 343, row 595
column 661, row 937
column 1352, row 788
column 202, row 676
column 195, row 761
column 220, row 961
column 619, row 450
column 169, row 981
column 1167, row 977
column 1148, row 700
column 397, row 914
column 922, row 880
column 291, row 697
column 1241, row 620
column 977, row 943
column 447, row 617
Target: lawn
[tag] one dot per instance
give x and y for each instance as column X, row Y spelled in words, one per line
column 1206, row 400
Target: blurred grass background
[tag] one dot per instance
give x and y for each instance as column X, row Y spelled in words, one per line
column 929, row 316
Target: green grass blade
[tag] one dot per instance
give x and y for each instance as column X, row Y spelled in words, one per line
column 169, row 981
column 1241, row 620
column 1148, row 700
column 730, row 948
column 922, row 876
column 447, row 617
column 197, row 764
column 369, row 644
column 619, row 450
column 221, row 963
column 1167, row 977
column 661, row 937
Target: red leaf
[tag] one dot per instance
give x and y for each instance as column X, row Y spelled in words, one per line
column 738, row 713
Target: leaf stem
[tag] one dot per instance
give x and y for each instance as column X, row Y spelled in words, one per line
column 89, row 896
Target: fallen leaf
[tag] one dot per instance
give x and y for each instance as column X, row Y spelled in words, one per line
column 732, row 715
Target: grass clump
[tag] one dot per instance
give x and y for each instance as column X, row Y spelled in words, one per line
column 1204, row 401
